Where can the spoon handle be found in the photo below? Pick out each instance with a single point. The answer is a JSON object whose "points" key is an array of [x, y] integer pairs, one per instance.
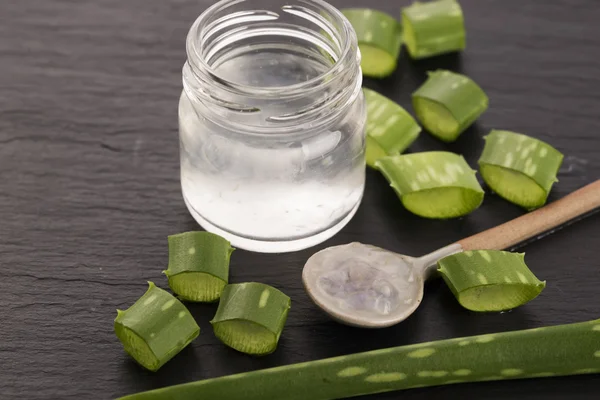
{"points": [[535, 223]]}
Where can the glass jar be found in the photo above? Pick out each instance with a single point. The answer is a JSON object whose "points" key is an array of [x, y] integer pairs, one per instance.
{"points": [[271, 123]]}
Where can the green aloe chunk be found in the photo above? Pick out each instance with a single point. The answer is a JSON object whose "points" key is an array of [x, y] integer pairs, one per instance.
{"points": [[490, 280], [569, 349], [519, 168], [435, 184], [251, 317], [379, 40], [432, 28], [155, 328], [198, 265], [390, 128], [448, 103]]}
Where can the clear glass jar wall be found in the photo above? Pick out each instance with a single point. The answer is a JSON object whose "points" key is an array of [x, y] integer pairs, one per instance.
{"points": [[271, 123]]}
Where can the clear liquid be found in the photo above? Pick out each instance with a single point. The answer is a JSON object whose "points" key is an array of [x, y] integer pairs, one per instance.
{"points": [[270, 196]]}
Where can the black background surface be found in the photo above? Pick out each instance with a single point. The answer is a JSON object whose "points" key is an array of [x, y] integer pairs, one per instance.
{"points": [[89, 191]]}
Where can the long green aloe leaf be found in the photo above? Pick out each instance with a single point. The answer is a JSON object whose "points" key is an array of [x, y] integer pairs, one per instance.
{"points": [[551, 351]]}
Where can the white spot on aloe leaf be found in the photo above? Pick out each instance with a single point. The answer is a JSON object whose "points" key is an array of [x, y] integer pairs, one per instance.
{"points": [[454, 86], [351, 371], [511, 372], [149, 300], [432, 172], [486, 256], [152, 334], [264, 297], [482, 279], [379, 112], [408, 161], [463, 343], [531, 169], [597, 354], [385, 377], [168, 305], [383, 24], [368, 36], [507, 279], [543, 152], [421, 353], [181, 314], [415, 186], [469, 253], [596, 328], [508, 160], [192, 251], [462, 372], [522, 277], [420, 17], [485, 339], [367, 13]]}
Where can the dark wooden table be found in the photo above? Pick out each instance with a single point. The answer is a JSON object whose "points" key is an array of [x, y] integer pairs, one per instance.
{"points": [[89, 191]]}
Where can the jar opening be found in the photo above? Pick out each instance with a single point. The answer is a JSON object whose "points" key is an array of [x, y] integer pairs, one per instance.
{"points": [[271, 52], [273, 66]]}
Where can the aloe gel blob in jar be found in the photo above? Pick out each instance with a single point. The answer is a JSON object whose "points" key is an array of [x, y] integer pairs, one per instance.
{"points": [[271, 123]]}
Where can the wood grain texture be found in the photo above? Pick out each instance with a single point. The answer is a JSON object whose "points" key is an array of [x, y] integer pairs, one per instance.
{"points": [[89, 191]]}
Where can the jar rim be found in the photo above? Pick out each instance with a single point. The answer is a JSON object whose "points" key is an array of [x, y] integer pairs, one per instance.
{"points": [[198, 61]]}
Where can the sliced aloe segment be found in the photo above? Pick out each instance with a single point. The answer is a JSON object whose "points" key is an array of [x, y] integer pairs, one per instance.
{"points": [[490, 280], [390, 128], [251, 317], [155, 328], [432, 28], [198, 265], [561, 350], [434, 184], [519, 168], [448, 103], [379, 39]]}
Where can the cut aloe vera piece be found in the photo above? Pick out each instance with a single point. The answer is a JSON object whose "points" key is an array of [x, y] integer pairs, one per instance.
{"points": [[434, 184], [490, 280], [198, 265], [379, 39], [519, 168], [561, 350], [448, 103], [390, 128], [433, 28], [251, 317], [155, 328]]}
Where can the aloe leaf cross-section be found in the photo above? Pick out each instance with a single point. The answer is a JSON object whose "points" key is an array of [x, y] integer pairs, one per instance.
{"points": [[198, 265], [379, 40], [519, 168], [490, 280], [435, 184], [155, 328], [251, 317]]}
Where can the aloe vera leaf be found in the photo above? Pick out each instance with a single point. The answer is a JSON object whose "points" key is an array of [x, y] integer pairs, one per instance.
{"points": [[560, 350], [379, 40], [155, 328], [198, 265], [448, 103], [519, 168], [433, 184], [390, 128], [251, 317], [432, 28], [490, 280]]}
